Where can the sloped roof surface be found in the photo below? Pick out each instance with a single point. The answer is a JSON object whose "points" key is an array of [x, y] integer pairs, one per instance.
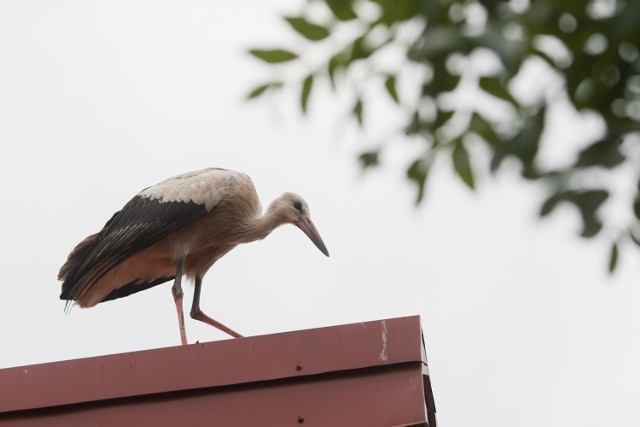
{"points": [[362, 374]]}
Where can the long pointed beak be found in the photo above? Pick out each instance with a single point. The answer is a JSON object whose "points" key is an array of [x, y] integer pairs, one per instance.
{"points": [[310, 230]]}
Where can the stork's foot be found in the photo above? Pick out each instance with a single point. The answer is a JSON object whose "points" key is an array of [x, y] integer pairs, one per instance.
{"points": [[199, 315]]}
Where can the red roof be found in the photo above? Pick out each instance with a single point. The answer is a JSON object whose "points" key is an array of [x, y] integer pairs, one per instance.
{"points": [[362, 374]]}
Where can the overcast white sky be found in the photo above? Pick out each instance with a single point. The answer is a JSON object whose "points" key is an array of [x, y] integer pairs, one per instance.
{"points": [[98, 100]]}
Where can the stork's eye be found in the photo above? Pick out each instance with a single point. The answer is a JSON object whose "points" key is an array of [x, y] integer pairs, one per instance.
{"points": [[298, 206]]}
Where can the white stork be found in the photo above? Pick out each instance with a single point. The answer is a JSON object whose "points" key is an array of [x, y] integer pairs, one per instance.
{"points": [[180, 226]]}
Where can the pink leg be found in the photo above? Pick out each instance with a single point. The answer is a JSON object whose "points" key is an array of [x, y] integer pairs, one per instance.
{"points": [[197, 314], [177, 298]]}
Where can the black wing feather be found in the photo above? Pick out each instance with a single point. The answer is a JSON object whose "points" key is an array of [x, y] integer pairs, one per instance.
{"points": [[141, 223]]}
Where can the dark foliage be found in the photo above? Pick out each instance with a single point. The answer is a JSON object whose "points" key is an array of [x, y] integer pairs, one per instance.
{"points": [[592, 45]]}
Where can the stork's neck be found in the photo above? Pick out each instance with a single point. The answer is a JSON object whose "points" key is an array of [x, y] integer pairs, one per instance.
{"points": [[261, 227]]}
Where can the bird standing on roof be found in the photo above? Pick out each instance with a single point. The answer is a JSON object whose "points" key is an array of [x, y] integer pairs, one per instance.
{"points": [[180, 226]]}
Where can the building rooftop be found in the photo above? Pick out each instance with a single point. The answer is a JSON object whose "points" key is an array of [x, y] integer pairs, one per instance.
{"points": [[362, 374]]}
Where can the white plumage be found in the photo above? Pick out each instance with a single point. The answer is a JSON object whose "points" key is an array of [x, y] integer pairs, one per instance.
{"points": [[204, 187]]}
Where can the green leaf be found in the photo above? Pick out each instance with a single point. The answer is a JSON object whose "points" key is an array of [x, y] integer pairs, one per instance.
{"points": [[483, 128], [342, 9], [369, 158], [307, 29], [335, 63], [511, 52], [273, 56], [524, 145], [549, 205], [587, 201], [259, 90], [636, 206], [604, 153], [585, 93], [390, 84], [494, 86], [442, 117], [359, 50], [306, 91], [357, 111], [414, 125], [443, 80], [462, 165], [418, 172], [613, 257], [395, 11]]}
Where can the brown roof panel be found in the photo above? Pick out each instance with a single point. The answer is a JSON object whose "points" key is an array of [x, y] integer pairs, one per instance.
{"points": [[363, 374]]}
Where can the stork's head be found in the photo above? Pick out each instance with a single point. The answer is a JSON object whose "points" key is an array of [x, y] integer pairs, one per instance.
{"points": [[292, 209]]}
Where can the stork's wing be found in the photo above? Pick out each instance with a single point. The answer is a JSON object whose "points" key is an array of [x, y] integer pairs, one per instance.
{"points": [[141, 223]]}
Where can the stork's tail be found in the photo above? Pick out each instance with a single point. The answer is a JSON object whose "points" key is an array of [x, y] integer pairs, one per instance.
{"points": [[75, 259]]}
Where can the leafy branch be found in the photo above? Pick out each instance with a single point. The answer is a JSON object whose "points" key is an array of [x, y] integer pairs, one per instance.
{"points": [[591, 46]]}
